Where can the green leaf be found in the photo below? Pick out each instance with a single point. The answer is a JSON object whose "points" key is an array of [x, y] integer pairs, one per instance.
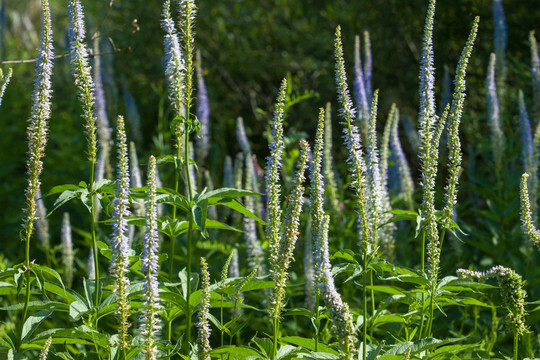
{"points": [[227, 193], [61, 188], [214, 224], [234, 352], [236, 206], [33, 321], [49, 271], [200, 212], [77, 310], [308, 344], [64, 197]]}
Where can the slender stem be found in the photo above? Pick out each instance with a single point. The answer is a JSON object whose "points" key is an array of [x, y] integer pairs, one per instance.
{"points": [[364, 330], [317, 321], [27, 273], [422, 251], [221, 314], [176, 181], [94, 240], [516, 341], [372, 301], [276, 336], [189, 235]]}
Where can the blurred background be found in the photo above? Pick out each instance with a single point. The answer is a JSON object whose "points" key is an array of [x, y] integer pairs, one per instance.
{"points": [[247, 47]]}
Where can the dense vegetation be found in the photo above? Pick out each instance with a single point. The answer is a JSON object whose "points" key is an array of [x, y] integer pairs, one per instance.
{"points": [[381, 217]]}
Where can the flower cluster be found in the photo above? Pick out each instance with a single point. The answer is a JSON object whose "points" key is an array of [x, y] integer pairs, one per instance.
{"points": [[120, 242], [497, 136], [499, 39], [37, 124], [103, 127], [328, 160], [174, 62], [427, 80], [291, 222], [512, 292], [45, 349], [150, 267], [406, 181], [42, 224], [454, 119], [273, 186], [254, 250], [68, 256], [535, 71], [203, 113], [203, 339], [83, 74], [352, 144], [339, 312], [527, 222], [359, 84]]}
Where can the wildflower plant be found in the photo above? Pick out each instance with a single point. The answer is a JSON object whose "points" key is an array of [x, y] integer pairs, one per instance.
{"points": [[203, 338], [4, 81]]}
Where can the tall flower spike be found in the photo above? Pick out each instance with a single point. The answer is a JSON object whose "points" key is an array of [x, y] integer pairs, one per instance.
{"points": [[103, 127], [42, 224], [454, 119], [45, 349], [4, 81], [203, 113], [187, 14], [360, 95], [526, 135], [37, 124], [255, 254], [132, 114], [328, 160], [273, 186], [385, 145], [242, 137], [150, 267], [427, 79], [136, 182], [120, 243], [291, 222], [352, 143], [339, 313], [407, 184], [497, 135], [83, 74], [67, 249], [500, 42], [367, 64], [174, 62], [309, 286], [535, 73], [203, 338], [527, 222]]}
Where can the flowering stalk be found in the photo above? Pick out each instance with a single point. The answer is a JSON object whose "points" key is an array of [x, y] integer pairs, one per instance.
{"points": [[120, 242], [285, 247], [203, 113], [357, 168], [513, 294], [497, 134], [4, 81], [499, 43], [45, 349], [367, 64], [150, 267], [254, 249], [136, 182], [530, 163], [535, 73], [328, 160], [42, 225], [103, 127], [37, 135], [340, 315], [203, 339], [454, 119], [385, 145], [273, 186], [86, 88], [527, 221], [407, 184], [67, 249], [360, 86]]}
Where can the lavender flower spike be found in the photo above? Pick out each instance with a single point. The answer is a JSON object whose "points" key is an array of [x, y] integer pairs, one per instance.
{"points": [[360, 95], [67, 249], [497, 138], [37, 124], [203, 113], [327, 169], [42, 224], [150, 267], [527, 222], [4, 81], [82, 73], [203, 338], [407, 183], [500, 41], [367, 64], [535, 73], [526, 135], [120, 243], [174, 62]]}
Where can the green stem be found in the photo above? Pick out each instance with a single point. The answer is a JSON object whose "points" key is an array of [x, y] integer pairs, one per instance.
{"points": [[317, 321], [276, 337], [422, 255], [176, 181], [27, 273], [516, 343], [93, 234], [372, 301], [364, 330], [221, 314]]}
